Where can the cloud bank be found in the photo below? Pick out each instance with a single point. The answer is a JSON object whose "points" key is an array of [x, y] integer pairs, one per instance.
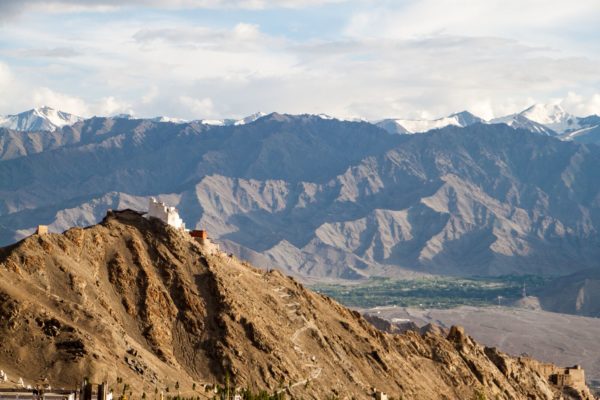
{"points": [[190, 59]]}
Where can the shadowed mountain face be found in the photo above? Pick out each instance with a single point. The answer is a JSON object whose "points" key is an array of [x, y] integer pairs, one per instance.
{"points": [[136, 299], [327, 198], [577, 294]]}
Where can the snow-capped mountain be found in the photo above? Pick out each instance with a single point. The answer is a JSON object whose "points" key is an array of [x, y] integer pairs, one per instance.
{"points": [[549, 120], [39, 119], [229, 121], [553, 120], [405, 126], [545, 119], [213, 122], [552, 116], [519, 121], [250, 118]]}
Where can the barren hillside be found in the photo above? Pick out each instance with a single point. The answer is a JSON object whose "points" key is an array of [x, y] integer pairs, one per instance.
{"points": [[135, 299]]}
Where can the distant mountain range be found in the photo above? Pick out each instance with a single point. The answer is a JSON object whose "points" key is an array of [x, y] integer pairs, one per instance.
{"points": [[550, 120], [322, 197], [49, 119]]}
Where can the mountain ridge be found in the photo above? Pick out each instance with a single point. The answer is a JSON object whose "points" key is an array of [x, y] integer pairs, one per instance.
{"points": [[546, 119], [328, 198]]}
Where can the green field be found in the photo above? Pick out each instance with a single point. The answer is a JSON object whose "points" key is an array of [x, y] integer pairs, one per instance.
{"points": [[433, 292]]}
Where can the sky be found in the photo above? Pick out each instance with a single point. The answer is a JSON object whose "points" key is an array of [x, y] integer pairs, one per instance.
{"points": [[373, 59]]}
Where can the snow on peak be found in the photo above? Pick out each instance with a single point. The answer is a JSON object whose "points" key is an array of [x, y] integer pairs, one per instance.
{"points": [[545, 113], [229, 122], [519, 121], [552, 116], [461, 119], [250, 118], [465, 118], [324, 116], [39, 119]]}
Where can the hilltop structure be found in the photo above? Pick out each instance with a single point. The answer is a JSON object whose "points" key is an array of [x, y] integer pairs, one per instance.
{"points": [[167, 214], [201, 236], [170, 216]]}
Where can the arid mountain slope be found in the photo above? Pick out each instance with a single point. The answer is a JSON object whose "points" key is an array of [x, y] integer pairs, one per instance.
{"points": [[136, 299], [324, 198]]}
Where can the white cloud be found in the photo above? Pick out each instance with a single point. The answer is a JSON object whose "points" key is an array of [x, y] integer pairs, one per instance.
{"points": [[112, 106], [9, 8], [46, 97], [417, 18], [5, 76], [151, 95], [581, 105], [19, 95], [394, 59], [6, 85], [241, 37], [200, 108], [57, 52], [23, 95]]}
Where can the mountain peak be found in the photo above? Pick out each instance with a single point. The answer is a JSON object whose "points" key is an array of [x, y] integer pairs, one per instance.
{"points": [[250, 118], [552, 116], [42, 118], [234, 122], [520, 121], [545, 113], [464, 113], [275, 116], [466, 118], [43, 109], [460, 119]]}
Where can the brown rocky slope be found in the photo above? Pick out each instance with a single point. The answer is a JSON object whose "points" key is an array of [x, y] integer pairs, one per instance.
{"points": [[135, 299]]}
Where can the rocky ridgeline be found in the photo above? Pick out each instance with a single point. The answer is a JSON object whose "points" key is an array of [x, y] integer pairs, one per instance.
{"points": [[134, 300]]}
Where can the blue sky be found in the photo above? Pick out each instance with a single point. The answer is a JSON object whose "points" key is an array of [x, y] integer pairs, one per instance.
{"points": [[357, 58]]}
